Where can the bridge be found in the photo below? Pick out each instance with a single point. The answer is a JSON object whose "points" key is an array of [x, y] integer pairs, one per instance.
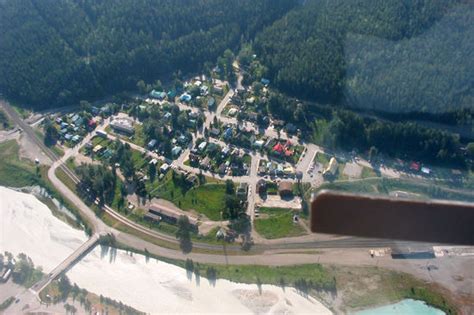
{"points": [[80, 252]]}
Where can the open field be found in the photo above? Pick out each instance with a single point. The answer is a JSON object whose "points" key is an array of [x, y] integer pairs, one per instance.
{"points": [[13, 171], [207, 199], [277, 223], [384, 186]]}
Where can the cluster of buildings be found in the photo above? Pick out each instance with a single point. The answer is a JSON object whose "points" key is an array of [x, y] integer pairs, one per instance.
{"points": [[159, 213], [225, 160], [72, 127], [198, 87], [275, 169]]}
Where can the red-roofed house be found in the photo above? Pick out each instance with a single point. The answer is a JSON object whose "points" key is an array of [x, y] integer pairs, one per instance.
{"points": [[278, 148], [91, 123], [415, 166]]}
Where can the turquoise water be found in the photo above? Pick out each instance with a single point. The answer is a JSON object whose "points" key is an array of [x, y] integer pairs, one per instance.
{"points": [[405, 307]]}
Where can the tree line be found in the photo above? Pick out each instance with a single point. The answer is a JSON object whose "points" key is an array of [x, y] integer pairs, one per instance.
{"points": [[55, 54], [392, 56]]}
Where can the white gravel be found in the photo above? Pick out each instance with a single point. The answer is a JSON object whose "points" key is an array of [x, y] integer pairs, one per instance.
{"points": [[159, 287], [28, 226]]}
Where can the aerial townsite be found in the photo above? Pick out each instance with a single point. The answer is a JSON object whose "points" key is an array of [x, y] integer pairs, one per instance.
{"points": [[164, 156]]}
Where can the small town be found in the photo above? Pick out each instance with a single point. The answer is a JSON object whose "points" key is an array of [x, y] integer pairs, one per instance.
{"points": [[236, 157]]}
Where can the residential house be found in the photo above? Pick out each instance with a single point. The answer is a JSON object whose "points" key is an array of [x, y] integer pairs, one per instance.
{"points": [[215, 132], [259, 144], [332, 167], [176, 150], [265, 82], [261, 186], [202, 146], [164, 168], [285, 189], [158, 94], [228, 133], [151, 145], [123, 125], [242, 191], [206, 163], [185, 98], [211, 103], [252, 116]]}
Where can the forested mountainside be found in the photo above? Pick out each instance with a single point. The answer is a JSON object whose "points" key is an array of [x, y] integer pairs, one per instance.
{"points": [[57, 52], [388, 55]]}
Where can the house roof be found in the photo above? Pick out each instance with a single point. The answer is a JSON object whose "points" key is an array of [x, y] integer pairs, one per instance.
{"points": [[278, 148], [415, 166], [285, 187]]}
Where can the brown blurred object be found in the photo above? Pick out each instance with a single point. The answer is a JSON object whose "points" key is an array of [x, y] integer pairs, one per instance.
{"points": [[393, 218]]}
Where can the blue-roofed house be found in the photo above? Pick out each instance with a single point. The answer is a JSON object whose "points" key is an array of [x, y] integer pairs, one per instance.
{"points": [[76, 138], [151, 145], [171, 95], [79, 121], [107, 153], [185, 97], [176, 150], [75, 118], [192, 122], [265, 81], [68, 136], [182, 139], [228, 133], [64, 125], [211, 103], [158, 94]]}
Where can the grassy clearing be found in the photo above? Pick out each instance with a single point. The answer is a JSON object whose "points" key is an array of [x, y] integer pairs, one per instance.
{"points": [[340, 172], [278, 275], [24, 113], [207, 199], [16, 172], [363, 287], [384, 186], [278, 224], [368, 172], [322, 158]]}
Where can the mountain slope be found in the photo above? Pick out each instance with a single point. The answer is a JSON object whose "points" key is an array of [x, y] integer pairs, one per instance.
{"points": [[57, 52]]}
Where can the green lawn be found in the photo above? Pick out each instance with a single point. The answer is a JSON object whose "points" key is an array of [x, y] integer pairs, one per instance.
{"points": [[340, 172], [280, 275], [207, 199], [385, 185], [16, 172], [278, 224], [368, 172], [13, 171], [322, 158]]}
